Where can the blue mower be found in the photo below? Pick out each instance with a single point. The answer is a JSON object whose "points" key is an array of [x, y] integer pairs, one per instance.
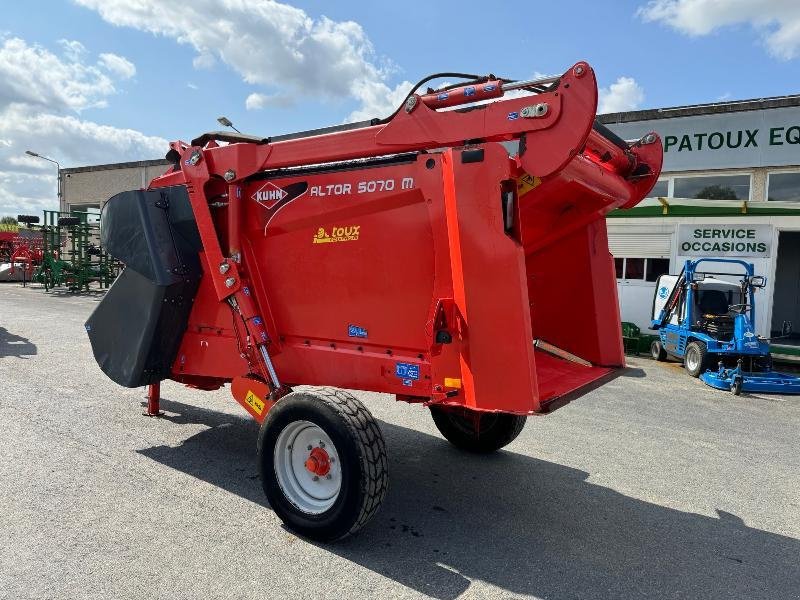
{"points": [[704, 320]]}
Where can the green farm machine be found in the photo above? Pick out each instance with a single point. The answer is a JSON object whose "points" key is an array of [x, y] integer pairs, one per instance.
{"points": [[72, 256]]}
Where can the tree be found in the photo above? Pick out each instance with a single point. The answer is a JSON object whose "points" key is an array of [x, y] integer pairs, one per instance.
{"points": [[716, 192], [8, 221]]}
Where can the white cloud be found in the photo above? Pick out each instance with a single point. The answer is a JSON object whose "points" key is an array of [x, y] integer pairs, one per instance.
{"points": [[777, 20], [258, 101], [40, 96], [378, 99], [27, 193], [269, 44], [622, 95], [33, 75], [29, 184], [73, 49], [118, 65]]}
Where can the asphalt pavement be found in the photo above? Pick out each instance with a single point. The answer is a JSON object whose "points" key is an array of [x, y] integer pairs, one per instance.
{"points": [[652, 486]]}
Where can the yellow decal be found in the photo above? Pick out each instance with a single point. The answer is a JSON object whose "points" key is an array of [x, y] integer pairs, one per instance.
{"points": [[337, 234], [452, 382], [254, 402], [526, 183]]}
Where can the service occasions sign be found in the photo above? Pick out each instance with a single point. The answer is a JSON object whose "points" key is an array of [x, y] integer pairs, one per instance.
{"points": [[724, 240]]}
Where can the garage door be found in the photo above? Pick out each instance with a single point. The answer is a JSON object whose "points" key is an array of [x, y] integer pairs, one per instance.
{"points": [[643, 245]]}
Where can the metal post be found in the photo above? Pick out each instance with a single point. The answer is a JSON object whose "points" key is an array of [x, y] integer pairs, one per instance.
{"points": [[153, 398]]}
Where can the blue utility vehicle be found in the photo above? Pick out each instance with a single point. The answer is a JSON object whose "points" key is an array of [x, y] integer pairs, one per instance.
{"points": [[708, 322]]}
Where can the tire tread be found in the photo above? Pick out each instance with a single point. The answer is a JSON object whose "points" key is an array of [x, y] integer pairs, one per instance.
{"points": [[372, 448]]}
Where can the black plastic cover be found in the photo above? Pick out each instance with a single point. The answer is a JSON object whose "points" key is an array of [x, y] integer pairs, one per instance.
{"points": [[137, 328]]}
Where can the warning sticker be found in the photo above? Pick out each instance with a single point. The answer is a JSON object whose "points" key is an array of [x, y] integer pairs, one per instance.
{"points": [[526, 183], [254, 402]]}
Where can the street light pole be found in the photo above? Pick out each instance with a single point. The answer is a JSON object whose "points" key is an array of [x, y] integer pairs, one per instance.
{"points": [[226, 122], [58, 166]]}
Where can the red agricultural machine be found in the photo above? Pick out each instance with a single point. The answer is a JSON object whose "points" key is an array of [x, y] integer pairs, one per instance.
{"points": [[20, 250], [412, 255]]}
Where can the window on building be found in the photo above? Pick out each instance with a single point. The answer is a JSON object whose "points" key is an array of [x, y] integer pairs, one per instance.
{"points": [[656, 267], [634, 268], [660, 189], [641, 269], [784, 186], [713, 187]]}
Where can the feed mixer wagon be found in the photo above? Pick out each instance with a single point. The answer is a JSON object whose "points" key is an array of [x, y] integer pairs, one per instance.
{"points": [[453, 254]]}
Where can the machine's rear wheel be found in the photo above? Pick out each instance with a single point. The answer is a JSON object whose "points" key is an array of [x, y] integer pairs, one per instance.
{"points": [[657, 351], [696, 358], [323, 463], [474, 431]]}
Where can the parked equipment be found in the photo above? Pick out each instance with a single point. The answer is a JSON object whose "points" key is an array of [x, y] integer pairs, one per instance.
{"points": [[20, 250], [409, 255], [69, 253], [709, 322]]}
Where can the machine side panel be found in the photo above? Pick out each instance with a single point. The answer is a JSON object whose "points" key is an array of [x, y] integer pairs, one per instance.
{"points": [[490, 292]]}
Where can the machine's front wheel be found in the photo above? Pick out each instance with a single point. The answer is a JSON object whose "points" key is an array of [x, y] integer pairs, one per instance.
{"points": [[323, 463], [657, 351], [696, 358], [475, 431]]}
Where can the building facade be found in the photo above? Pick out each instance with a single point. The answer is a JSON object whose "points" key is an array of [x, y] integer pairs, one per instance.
{"points": [[730, 188], [87, 188]]}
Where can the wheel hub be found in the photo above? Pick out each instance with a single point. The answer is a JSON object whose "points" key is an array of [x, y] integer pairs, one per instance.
{"points": [[307, 467], [318, 462]]}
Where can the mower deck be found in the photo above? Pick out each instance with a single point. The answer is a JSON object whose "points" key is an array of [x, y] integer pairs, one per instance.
{"points": [[766, 382]]}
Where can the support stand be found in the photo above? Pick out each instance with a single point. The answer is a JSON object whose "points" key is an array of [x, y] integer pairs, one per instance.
{"points": [[153, 399]]}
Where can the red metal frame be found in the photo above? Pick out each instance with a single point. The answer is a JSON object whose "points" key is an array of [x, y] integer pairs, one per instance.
{"points": [[447, 265]]}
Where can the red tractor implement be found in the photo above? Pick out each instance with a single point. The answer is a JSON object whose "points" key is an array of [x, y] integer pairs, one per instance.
{"points": [[412, 255]]}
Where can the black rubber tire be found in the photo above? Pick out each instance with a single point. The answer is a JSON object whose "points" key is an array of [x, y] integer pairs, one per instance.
{"points": [[27, 219], [362, 455], [657, 351], [68, 221], [703, 358], [494, 431]]}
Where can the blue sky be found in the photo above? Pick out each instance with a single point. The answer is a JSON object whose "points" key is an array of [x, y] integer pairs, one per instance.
{"points": [[147, 71]]}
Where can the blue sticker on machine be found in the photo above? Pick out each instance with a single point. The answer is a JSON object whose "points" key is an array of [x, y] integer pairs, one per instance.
{"points": [[663, 292], [489, 87], [356, 331], [443, 96], [408, 382], [513, 116], [406, 370], [469, 90]]}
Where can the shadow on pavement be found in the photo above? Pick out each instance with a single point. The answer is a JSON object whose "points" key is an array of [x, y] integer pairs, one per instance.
{"points": [[63, 292], [635, 372], [521, 524], [15, 345]]}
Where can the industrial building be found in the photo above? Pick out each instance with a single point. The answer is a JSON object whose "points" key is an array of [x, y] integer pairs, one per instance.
{"points": [[730, 188]]}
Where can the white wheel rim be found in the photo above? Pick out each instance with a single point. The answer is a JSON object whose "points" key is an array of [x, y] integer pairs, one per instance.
{"points": [[692, 360], [311, 492]]}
